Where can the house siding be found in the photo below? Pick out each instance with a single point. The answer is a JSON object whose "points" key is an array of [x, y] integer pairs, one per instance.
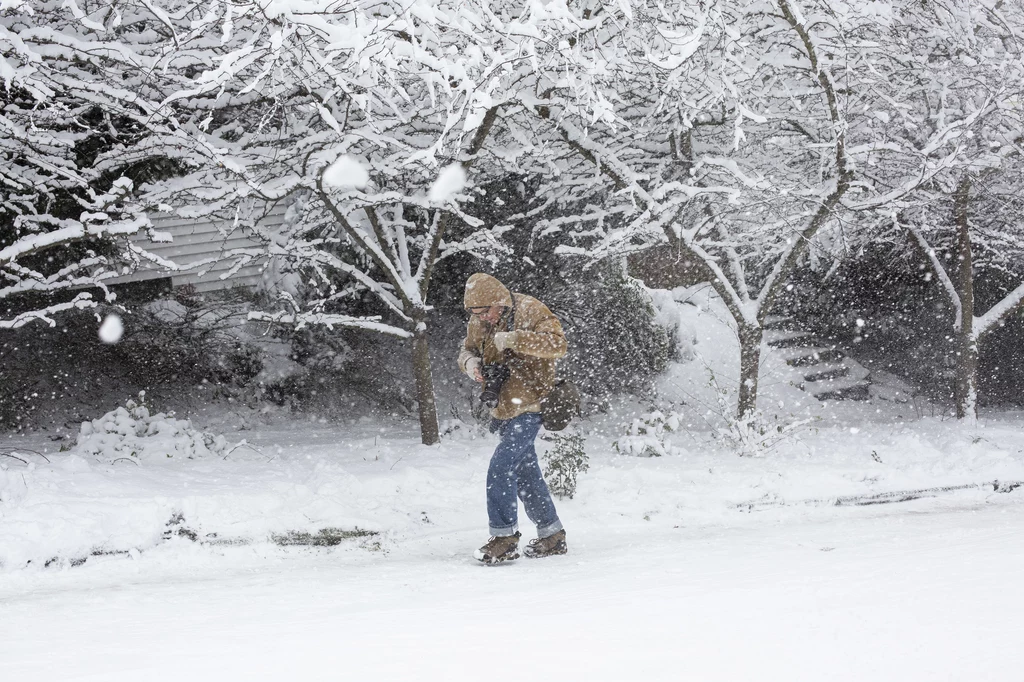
{"points": [[197, 240]]}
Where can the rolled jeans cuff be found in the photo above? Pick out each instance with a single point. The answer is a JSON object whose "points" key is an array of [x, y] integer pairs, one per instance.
{"points": [[505, 532], [549, 530]]}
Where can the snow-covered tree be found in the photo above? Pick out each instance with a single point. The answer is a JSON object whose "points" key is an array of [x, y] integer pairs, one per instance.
{"points": [[73, 91], [735, 132], [365, 117], [968, 59]]}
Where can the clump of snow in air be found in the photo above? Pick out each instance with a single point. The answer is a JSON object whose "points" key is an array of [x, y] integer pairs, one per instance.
{"points": [[346, 173], [450, 181], [112, 329]]}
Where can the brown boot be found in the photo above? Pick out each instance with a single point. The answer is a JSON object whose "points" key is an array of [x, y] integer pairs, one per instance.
{"points": [[549, 546], [498, 549]]}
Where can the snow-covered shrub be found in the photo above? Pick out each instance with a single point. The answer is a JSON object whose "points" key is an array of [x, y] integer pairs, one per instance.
{"points": [[51, 375], [564, 462], [133, 432], [755, 435], [335, 370], [617, 342], [191, 338], [645, 436]]}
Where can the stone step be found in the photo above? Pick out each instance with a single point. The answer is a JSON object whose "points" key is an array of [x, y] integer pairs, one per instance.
{"points": [[833, 372], [824, 370], [789, 339], [847, 367], [783, 322], [813, 356], [858, 390]]}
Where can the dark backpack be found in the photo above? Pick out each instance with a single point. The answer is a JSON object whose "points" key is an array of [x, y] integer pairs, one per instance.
{"points": [[560, 405]]}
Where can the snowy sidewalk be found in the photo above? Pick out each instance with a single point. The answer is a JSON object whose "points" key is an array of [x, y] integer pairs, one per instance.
{"points": [[923, 592]]}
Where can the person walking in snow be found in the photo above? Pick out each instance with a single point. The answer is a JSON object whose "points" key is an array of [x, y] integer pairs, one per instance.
{"points": [[516, 332]]}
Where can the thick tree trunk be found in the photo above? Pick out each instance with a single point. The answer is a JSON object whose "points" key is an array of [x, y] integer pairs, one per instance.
{"points": [[967, 377], [429, 431], [966, 389], [750, 361]]}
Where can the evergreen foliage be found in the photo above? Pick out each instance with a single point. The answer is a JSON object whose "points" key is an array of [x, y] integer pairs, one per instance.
{"points": [[615, 343], [564, 462]]}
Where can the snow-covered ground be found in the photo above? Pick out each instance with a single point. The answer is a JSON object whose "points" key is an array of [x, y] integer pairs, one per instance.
{"points": [[151, 551], [666, 577], [923, 594]]}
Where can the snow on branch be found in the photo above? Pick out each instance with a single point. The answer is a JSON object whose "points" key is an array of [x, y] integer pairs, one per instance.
{"points": [[76, 98], [305, 319], [355, 108], [47, 313], [992, 317], [940, 272]]}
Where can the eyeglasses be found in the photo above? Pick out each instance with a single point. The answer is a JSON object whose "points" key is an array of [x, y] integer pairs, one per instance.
{"points": [[479, 310]]}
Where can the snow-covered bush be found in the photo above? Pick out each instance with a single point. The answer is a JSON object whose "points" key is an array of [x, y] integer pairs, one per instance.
{"points": [[133, 432], [337, 371], [645, 436], [564, 462], [51, 375], [191, 338], [755, 435], [618, 342]]}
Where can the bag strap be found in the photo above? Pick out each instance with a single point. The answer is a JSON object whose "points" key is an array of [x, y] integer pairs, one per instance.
{"points": [[510, 325]]}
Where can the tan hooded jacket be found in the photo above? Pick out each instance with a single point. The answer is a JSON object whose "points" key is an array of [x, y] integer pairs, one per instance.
{"points": [[538, 342]]}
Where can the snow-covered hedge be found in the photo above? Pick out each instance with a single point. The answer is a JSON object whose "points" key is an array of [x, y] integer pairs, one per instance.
{"points": [[132, 432]]}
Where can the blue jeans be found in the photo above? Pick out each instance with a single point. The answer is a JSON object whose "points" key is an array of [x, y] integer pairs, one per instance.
{"points": [[515, 473]]}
